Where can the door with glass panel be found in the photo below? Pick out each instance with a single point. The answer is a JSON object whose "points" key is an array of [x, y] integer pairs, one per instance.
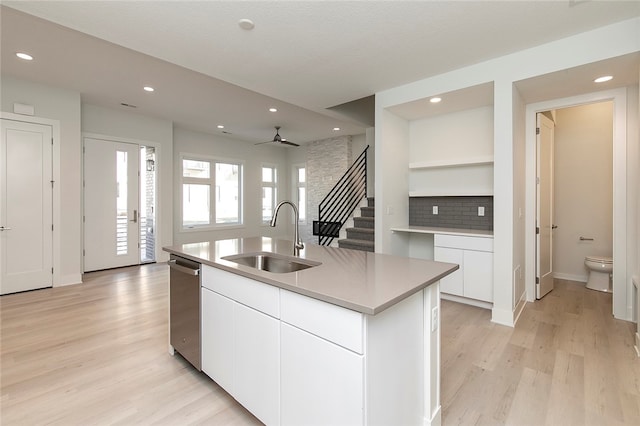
{"points": [[111, 204]]}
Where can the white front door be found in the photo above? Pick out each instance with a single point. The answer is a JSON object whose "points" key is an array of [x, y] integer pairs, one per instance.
{"points": [[26, 206], [111, 211], [544, 237]]}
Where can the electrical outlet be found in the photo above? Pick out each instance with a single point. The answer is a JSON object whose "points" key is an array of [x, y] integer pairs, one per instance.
{"points": [[480, 211], [434, 318], [435, 209]]}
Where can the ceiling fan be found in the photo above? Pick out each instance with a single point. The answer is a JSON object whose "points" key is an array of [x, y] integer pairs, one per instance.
{"points": [[278, 139]]}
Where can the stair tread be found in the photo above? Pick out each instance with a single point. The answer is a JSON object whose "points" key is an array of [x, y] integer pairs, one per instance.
{"points": [[356, 242], [363, 230]]}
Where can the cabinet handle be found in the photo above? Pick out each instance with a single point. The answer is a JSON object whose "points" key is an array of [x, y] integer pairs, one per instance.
{"points": [[135, 216], [2, 228]]}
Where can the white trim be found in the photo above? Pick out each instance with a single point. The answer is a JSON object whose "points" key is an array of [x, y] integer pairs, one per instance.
{"points": [[55, 134], [466, 301], [212, 226], [503, 317], [486, 159], [621, 305], [436, 419], [571, 277]]}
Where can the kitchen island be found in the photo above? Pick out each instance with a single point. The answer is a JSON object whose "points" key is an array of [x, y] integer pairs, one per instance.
{"points": [[352, 339]]}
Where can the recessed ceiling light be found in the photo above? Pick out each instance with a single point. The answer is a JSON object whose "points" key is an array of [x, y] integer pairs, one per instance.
{"points": [[220, 126], [24, 56], [603, 79], [435, 100], [273, 109], [246, 24], [148, 88], [335, 129]]}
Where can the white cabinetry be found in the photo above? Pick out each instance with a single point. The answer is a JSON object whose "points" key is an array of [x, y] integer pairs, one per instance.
{"points": [[241, 349], [474, 279], [322, 383], [295, 360]]}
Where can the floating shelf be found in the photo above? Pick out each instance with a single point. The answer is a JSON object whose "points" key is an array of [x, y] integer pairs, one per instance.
{"points": [[473, 161]]}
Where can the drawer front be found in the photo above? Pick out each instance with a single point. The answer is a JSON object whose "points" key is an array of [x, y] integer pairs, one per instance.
{"points": [[339, 325], [259, 296], [463, 242]]}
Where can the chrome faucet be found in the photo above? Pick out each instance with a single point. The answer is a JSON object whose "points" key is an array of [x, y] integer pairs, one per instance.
{"points": [[297, 243]]}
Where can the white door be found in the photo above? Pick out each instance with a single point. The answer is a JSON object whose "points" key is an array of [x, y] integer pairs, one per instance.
{"points": [[544, 237], [111, 228], [26, 206]]}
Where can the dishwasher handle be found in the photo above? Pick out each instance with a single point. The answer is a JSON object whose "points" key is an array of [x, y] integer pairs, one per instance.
{"points": [[189, 271]]}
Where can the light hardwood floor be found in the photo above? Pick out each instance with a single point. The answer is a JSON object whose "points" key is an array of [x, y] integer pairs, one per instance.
{"points": [[97, 354]]}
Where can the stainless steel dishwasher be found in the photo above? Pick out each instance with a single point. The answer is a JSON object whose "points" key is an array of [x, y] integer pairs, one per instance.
{"points": [[184, 308]]}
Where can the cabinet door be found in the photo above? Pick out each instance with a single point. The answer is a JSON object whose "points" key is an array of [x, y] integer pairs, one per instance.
{"points": [[322, 383], [257, 363], [478, 275], [217, 338], [454, 282]]}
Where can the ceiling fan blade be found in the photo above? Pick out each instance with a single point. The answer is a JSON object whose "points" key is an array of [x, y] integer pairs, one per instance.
{"points": [[260, 143], [289, 143]]}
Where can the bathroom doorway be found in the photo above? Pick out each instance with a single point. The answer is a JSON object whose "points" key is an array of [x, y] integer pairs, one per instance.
{"points": [[582, 188], [573, 222]]}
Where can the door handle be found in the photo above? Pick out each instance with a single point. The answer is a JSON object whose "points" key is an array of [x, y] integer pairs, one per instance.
{"points": [[2, 228], [554, 226], [135, 216]]}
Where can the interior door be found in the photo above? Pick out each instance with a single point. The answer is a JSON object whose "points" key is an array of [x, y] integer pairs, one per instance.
{"points": [[111, 211], [544, 231], [26, 206]]}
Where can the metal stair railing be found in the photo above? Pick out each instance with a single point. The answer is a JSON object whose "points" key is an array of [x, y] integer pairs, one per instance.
{"points": [[341, 201]]}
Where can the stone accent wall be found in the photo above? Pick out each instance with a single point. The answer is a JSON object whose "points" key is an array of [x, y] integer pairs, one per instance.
{"points": [[453, 212], [327, 160]]}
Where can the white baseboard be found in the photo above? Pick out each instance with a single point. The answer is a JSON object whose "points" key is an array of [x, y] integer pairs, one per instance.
{"points": [[503, 317], [68, 280], [436, 419], [571, 277], [466, 300]]}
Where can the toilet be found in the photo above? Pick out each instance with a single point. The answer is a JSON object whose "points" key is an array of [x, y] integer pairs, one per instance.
{"points": [[600, 269]]}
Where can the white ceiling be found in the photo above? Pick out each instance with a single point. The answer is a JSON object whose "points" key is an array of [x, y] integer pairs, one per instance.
{"points": [[302, 57]]}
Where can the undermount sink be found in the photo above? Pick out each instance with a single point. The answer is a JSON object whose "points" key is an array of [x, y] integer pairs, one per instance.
{"points": [[271, 262]]}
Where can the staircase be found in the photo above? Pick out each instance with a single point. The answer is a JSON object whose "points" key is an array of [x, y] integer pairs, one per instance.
{"points": [[361, 236]]}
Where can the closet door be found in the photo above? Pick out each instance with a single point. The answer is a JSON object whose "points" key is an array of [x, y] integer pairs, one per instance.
{"points": [[26, 206]]}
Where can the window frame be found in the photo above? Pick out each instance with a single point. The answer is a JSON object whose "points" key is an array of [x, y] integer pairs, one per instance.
{"points": [[296, 187], [211, 181], [273, 185]]}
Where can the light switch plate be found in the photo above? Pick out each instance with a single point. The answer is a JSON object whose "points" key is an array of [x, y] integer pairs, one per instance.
{"points": [[480, 211], [435, 209]]}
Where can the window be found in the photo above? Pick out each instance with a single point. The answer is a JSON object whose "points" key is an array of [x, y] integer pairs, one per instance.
{"points": [[300, 177], [269, 192], [201, 208]]}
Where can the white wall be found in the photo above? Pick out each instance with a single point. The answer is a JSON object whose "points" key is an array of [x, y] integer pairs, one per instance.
{"points": [[253, 157], [125, 126], [583, 198], [64, 106], [518, 213], [606, 42], [449, 137]]}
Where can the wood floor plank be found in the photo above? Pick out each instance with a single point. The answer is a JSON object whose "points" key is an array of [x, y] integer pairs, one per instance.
{"points": [[96, 354]]}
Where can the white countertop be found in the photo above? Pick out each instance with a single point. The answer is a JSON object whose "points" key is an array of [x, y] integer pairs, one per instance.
{"points": [[361, 281], [448, 231]]}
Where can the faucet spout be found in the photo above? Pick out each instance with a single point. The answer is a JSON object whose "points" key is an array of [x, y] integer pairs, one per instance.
{"points": [[297, 242]]}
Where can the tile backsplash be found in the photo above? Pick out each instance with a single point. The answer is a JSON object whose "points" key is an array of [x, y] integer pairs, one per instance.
{"points": [[453, 212]]}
